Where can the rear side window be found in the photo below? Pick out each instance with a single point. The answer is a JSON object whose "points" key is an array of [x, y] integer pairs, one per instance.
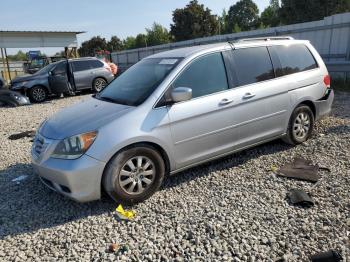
{"points": [[95, 64], [252, 65], [294, 59], [81, 65], [205, 75]]}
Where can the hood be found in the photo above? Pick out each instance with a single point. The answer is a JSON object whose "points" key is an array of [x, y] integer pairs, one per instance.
{"points": [[28, 77], [23, 78], [85, 116]]}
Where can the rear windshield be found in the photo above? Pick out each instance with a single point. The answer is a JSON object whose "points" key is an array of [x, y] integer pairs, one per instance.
{"points": [[135, 85]]}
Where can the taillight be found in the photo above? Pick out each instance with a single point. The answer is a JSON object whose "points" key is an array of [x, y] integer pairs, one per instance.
{"points": [[327, 80]]}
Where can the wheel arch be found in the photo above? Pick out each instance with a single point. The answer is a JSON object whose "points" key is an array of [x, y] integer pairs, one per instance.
{"points": [[310, 104], [48, 90], [159, 149]]}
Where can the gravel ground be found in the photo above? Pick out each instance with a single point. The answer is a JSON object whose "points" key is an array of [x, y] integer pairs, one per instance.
{"points": [[232, 209]]}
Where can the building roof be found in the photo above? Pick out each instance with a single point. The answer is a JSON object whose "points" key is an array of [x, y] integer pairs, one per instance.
{"points": [[37, 39], [33, 31]]}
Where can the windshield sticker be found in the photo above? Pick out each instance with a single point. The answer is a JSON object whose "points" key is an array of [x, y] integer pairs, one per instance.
{"points": [[168, 62]]}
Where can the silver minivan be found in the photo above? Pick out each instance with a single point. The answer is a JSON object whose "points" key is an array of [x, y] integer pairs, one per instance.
{"points": [[177, 109]]}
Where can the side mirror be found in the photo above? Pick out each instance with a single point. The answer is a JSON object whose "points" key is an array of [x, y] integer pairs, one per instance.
{"points": [[181, 94]]}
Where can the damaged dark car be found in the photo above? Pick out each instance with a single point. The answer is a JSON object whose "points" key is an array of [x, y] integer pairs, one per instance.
{"points": [[64, 77]]}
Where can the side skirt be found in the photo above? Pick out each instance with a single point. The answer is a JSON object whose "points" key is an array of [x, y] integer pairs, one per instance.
{"points": [[226, 154]]}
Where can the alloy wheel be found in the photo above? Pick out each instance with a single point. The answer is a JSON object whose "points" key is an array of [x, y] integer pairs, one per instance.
{"points": [[301, 125], [100, 84], [137, 175], [39, 94]]}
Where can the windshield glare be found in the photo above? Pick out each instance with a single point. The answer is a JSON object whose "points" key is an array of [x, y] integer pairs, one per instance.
{"points": [[135, 85]]}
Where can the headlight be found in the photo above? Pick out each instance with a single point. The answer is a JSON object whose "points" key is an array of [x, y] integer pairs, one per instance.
{"points": [[75, 146], [41, 125]]}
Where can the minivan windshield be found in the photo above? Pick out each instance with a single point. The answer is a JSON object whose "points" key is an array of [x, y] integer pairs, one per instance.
{"points": [[137, 83]]}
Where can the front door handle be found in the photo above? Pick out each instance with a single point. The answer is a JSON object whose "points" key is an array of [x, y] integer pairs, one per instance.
{"points": [[248, 96], [225, 101]]}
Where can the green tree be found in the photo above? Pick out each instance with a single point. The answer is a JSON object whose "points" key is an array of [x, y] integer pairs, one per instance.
{"points": [[129, 42], [223, 22], [96, 43], [294, 11], [245, 13], [157, 35], [270, 16], [115, 44], [141, 41], [193, 21], [236, 28], [20, 56]]}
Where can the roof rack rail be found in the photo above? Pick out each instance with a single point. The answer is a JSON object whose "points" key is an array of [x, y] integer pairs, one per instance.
{"points": [[266, 38]]}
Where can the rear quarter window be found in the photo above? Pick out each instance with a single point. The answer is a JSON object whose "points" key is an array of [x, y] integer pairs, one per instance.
{"points": [[81, 65], [294, 58], [96, 64]]}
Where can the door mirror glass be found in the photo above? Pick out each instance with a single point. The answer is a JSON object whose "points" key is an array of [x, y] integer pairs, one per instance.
{"points": [[181, 94]]}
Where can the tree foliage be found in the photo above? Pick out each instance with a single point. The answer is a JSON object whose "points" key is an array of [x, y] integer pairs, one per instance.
{"points": [[115, 44], [270, 16], [96, 43], [157, 35], [141, 41], [129, 43], [20, 56], [193, 21], [245, 13], [295, 11], [223, 22]]}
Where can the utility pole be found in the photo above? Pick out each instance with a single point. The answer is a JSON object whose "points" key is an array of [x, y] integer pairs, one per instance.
{"points": [[8, 65]]}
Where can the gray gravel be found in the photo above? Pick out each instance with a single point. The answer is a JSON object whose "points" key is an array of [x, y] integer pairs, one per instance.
{"points": [[233, 209]]}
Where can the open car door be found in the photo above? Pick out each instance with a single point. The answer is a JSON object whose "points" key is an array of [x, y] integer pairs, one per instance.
{"points": [[58, 79]]}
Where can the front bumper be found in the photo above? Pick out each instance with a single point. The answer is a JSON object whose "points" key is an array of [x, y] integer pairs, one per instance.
{"points": [[78, 179], [324, 105]]}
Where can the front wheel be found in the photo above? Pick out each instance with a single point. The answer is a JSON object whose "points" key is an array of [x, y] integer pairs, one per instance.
{"points": [[134, 174], [300, 125], [37, 94], [99, 84]]}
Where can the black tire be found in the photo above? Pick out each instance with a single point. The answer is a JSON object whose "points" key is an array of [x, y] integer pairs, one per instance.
{"points": [[37, 94], [98, 84], [112, 177], [291, 136]]}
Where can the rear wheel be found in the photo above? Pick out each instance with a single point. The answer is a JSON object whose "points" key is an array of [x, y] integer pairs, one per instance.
{"points": [[300, 126], [134, 174], [37, 94], [98, 84]]}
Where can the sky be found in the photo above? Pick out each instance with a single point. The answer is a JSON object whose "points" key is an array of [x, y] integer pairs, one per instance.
{"points": [[96, 17]]}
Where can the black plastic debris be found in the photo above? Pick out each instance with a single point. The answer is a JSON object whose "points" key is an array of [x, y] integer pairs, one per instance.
{"points": [[300, 169], [328, 256], [24, 134], [300, 198]]}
